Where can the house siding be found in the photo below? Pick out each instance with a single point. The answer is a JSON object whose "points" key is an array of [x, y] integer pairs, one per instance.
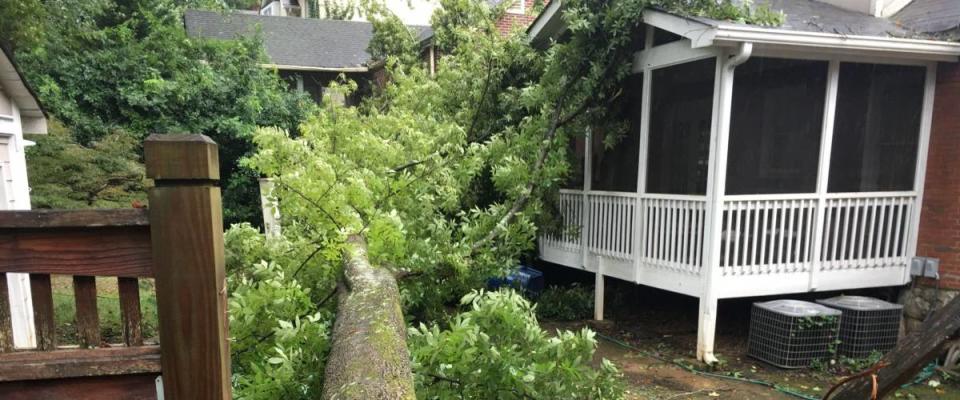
{"points": [[939, 234]]}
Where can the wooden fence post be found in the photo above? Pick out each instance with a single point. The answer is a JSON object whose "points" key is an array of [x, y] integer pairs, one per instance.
{"points": [[186, 227]]}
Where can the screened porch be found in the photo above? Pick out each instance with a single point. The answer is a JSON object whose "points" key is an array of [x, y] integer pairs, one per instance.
{"points": [[752, 169]]}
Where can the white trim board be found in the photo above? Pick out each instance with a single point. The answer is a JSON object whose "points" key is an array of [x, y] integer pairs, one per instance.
{"points": [[727, 34]]}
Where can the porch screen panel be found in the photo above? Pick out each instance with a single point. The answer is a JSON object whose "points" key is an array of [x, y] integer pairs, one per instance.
{"points": [[776, 125], [616, 154], [681, 108], [877, 128]]}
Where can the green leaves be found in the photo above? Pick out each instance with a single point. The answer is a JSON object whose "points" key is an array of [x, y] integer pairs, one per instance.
{"points": [[497, 349]]}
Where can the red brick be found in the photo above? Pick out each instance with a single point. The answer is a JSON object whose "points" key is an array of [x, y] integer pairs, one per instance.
{"points": [[940, 216]]}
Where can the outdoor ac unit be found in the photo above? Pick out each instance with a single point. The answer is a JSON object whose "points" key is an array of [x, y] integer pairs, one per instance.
{"points": [[792, 333], [868, 324]]}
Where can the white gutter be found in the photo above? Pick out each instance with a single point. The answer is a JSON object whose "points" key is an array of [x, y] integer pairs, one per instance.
{"points": [[546, 16], [743, 54], [938, 50], [318, 69], [713, 33]]}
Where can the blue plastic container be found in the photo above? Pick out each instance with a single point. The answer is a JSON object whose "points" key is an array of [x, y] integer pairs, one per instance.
{"points": [[524, 278]]}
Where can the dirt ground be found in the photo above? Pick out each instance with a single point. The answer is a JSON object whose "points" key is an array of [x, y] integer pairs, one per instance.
{"points": [[651, 336]]}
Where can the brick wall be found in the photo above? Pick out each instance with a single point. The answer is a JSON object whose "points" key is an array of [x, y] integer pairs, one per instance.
{"points": [[940, 219], [510, 20]]}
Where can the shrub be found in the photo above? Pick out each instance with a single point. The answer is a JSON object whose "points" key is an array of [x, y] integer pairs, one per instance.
{"points": [[565, 303], [496, 349]]}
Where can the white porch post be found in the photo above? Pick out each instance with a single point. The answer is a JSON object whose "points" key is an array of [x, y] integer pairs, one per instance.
{"points": [[926, 123], [585, 217], [598, 292], [710, 273], [640, 214], [823, 170]]}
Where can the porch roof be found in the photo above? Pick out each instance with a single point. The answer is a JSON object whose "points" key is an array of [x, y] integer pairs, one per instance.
{"points": [[809, 24]]}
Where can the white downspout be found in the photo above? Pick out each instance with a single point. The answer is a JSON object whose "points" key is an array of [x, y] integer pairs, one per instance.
{"points": [[707, 327]]}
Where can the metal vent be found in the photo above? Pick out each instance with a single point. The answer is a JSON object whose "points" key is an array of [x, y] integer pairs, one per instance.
{"points": [[792, 333], [868, 324]]}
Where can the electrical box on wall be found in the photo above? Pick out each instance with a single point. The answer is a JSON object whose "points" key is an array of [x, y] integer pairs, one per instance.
{"points": [[927, 267]]}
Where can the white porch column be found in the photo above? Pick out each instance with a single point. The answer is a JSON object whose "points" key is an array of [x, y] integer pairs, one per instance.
{"points": [[598, 291], [823, 170], [926, 123], [639, 214], [585, 218], [710, 274]]}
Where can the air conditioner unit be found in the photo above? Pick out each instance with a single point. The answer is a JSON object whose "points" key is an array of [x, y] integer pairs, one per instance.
{"points": [[868, 324], [792, 333]]}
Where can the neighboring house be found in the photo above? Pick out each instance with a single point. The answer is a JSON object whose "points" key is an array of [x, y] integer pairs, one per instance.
{"points": [[411, 12], [773, 160], [308, 53], [519, 15], [20, 113]]}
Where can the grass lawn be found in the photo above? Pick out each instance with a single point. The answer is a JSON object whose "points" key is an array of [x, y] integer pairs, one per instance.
{"points": [[108, 306]]}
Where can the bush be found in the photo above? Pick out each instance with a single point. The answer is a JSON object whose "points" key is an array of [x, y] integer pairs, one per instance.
{"points": [[279, 330], [496, 349], [568, 303]]}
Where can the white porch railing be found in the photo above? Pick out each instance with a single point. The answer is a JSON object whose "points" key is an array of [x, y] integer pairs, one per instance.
{"points": [[760, 234], [672, 231], [570, 213], [610, 230], [863, 230]]}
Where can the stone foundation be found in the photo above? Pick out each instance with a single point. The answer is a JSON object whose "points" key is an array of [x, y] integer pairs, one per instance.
{"points": [[918, 302]]}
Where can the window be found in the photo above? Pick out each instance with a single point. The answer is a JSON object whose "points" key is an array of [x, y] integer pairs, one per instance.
{"points": [[877, 128], [776, 125], [681, 110]]}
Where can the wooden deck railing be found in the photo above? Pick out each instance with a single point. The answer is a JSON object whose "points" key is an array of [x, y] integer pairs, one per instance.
{"points": [[178, 243]]}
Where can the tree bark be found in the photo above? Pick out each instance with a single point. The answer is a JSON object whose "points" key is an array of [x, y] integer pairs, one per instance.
{"points": [[910, 356], [369, 357]]}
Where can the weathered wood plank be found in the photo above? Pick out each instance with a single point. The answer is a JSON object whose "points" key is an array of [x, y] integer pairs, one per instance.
{"points": [[86, 318], [6, 326], [43, 319], [126, 387], [72, 363], [369, 357], [123, 251], [129, 289], [73, 218], [910, 355], [186, 226]]}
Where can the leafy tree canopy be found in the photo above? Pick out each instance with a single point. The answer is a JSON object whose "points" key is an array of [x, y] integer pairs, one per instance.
{"points": [[65, 174], [447, 176], [106, 66]]}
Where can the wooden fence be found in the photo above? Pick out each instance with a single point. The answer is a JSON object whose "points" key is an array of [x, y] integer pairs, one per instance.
{"points": [[178, 242]]}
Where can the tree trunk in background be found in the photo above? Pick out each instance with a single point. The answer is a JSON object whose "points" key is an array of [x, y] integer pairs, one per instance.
{"points": [[369, 357]]}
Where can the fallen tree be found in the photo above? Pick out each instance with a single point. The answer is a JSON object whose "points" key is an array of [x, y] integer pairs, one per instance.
{"points": [[369, 357], [909, 357]]}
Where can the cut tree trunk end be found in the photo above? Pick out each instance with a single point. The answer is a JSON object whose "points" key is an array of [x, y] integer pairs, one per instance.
{"points": [[910, 356], [368, 357]]}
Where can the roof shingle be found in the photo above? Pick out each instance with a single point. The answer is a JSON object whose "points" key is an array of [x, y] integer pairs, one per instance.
{"points": [[293, 41]]}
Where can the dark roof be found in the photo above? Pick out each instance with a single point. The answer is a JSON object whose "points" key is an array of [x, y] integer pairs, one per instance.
{"points": [[930, 16], [814, 16], [294, 41]]}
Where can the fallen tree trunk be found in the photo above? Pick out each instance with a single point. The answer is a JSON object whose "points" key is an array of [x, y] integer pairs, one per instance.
{"points": [[369, 357], [910, 356]]}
